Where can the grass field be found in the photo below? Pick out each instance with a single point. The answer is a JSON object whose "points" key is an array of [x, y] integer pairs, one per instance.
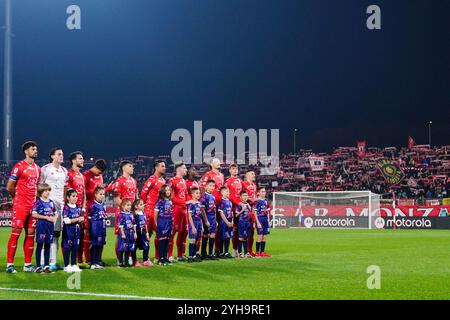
{"points": [[306, 264]]}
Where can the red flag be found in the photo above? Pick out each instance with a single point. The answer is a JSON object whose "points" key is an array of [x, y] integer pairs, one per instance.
{"points": [[361, 145], [411, 142]]}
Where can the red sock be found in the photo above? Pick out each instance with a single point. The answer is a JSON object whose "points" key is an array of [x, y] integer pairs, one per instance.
{"points": [[28, 247], [235, 241], [171, 245], [179, 244], [12, 244], [86, 248], [251, 240], [156, 248], [216, 244], [199, 243]]}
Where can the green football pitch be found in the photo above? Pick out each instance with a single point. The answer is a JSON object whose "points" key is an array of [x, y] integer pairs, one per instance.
{"points": [[305, 264]]}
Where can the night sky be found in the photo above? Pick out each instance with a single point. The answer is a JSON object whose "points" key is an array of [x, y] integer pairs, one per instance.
{"points": [[139, 69]]}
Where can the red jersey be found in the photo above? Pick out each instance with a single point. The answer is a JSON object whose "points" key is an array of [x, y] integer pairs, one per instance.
{"points": [[76, 181], [235, 186], [26, 177], [151, 188], [125, 188], [191, 184], [218, 179], [92, 181], [250, 187], [179, 191]]}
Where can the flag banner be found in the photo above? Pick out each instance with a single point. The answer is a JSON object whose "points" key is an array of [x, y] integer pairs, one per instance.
{"points": [[317, 163], [360, 211], [390, 171], [412, 183], [361, 146], [411, 143]]}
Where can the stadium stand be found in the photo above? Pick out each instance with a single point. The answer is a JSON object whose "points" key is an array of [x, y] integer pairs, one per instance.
{"points": [[425, 170]]}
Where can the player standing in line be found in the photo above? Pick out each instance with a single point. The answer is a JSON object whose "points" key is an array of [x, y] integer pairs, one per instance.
{"points": [[55, 175], [164, 222], [191, 182], [195, 213], [234, 185], [125, 187], [97, 226], [261, 210], [143, 237], [22, 186], [149, 195], [207, 201], [127, 233], [180, 219], [72, 218], [249, 185], [76, 182], [243, 211], [217, 176], [226, 223], [93, 179], [44, 210]]}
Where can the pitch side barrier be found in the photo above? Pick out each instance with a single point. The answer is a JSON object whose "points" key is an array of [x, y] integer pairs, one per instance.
{"points": [[350, 210]]}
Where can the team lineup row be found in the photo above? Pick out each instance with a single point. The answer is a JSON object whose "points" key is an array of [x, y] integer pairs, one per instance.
{"points": [[51, 203]]}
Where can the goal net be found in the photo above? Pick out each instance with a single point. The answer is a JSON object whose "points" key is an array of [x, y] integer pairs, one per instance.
{"points": [[326, 209]]}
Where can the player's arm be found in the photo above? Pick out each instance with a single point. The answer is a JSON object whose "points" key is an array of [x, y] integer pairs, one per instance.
{"points": [[258, 224], [55, 214], [35, 212], [67, 220], [43, 175], [83, 202], [117, 200], [36, 215], [66, 186], [191, 221], [121, 227], [205, 219], [90, 212], [146, 189], [177, 201], [16, 172], [156, 215], [11, 187], [222, 215], [255, 214], [117, 192], [238, 213], [122, 232]]}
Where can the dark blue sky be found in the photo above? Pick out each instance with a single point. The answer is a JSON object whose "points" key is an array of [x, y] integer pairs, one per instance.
{"points": [[139, 69]]}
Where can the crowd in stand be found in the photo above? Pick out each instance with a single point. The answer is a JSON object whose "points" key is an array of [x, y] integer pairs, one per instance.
{"points": [[426, 172]]}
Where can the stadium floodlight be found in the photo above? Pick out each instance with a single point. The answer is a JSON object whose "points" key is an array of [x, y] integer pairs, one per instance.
{"points": [[7, 86], [326, 209], [429, 132]]}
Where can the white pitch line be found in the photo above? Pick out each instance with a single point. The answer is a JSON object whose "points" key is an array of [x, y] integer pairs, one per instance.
{"points": [[107, 295]]}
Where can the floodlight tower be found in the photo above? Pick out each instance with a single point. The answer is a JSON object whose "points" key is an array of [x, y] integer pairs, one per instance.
{"points": [[7, 87]]}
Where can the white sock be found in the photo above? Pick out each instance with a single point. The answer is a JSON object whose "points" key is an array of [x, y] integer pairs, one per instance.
{"points": [[54, 250]]}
